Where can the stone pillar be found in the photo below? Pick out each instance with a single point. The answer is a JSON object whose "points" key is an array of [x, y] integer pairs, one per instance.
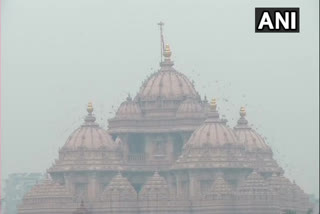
{"points": [[194, 186], [169, 148], [92, 186], [171, 185], [69, 184], [178, 182]]}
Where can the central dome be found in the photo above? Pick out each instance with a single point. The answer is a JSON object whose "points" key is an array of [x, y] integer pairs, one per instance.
{"points": [[167, 83]]}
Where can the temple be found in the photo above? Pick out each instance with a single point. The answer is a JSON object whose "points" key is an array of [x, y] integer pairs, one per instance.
{"points": [[166, 151]]}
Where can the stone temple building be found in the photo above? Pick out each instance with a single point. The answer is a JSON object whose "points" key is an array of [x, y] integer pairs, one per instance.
{"points": [[165, 151]]}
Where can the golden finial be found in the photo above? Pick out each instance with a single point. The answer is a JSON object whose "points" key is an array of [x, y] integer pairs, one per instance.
{"points": [[243, 111], [167, 51], [90, 108], [213, 104]]}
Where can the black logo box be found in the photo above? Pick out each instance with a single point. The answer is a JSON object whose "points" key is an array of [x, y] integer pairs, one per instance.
{"points": [[260, 10]]}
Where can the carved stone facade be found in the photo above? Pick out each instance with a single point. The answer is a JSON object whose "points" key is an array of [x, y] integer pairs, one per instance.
{"points": [[165, 151]]}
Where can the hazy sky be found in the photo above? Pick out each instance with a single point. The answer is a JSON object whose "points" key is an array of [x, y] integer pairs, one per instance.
{"points": [[58, 55]]}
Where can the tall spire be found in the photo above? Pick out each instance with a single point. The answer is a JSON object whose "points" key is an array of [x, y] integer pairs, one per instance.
{"points": [[165, 64]]}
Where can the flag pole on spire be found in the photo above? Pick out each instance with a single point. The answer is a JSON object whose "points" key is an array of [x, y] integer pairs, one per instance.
{"points": [[161, 39]]}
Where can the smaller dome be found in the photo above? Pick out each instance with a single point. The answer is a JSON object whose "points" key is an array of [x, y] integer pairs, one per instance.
{"points": [[250, 138], [88, 148], [89, 136], [213, 145], [128, 109], [213, 133], [156, 188], [119, 189], [190, 108]]}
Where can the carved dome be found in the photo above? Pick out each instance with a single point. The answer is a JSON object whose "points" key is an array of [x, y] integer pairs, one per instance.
{"points": [[213, 145], [89, 148], [128, 109], [119, 189], [251, 139], [155, 188], [167, 83], [89, 135], [258, 152], [213, 133], [190, 108]]}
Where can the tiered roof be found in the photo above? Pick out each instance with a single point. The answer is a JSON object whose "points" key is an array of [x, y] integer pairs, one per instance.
{"points": [[45, 192], [156, 188], [119, 189], [220, 189], [254, 185]]}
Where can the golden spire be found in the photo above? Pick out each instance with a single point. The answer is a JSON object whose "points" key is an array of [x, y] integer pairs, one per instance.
{"points": [[90, 108], [213, 104], [167, 52], [243, 112]]}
